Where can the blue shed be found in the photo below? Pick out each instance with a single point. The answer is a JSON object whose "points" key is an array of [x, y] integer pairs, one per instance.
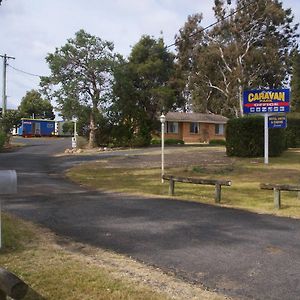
{"points": [[36, 127]]}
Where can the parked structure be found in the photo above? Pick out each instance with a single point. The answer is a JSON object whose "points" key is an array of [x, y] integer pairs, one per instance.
{"points": [[36, 127], [195, 127]]}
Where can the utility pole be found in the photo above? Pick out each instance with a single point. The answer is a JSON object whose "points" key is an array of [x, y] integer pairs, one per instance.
{"points": [[4, 97]]}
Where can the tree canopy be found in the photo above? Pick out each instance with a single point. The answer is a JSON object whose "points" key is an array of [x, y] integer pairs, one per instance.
{"points": [[32, 104], [145, 85], [251, 49], [80, 77]]}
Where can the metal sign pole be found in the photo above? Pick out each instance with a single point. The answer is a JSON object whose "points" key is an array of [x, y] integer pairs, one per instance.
{"points": [[266, 139]]}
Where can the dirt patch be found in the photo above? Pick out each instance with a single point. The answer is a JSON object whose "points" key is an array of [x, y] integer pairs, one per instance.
{"points": [[174, 157]]}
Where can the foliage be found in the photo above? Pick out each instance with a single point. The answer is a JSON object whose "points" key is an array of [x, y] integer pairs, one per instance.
{"points": [[293, 132], [167, 142], [80, 79], [217, 142], [68, 127], [11, 119], [295, 83], [245, 138], [144, 86], [250, 49], [2, 139], [32, 104]]}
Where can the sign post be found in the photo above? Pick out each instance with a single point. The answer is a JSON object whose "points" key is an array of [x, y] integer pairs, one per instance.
{"points": [[266, 133], [267, 102]]}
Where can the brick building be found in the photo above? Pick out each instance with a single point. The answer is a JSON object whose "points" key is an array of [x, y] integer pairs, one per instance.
{"points": [[195, 127]]}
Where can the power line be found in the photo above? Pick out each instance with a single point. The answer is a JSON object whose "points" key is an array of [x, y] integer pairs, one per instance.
{"points": [[24, 72], [217, 22]]}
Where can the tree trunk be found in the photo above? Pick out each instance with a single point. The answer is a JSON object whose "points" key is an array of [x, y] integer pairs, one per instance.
{"points": [[92, 135]]}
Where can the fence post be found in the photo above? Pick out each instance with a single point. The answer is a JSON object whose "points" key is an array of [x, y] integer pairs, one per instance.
{"points": [[277, 198], [171, 186], [218, 193]]}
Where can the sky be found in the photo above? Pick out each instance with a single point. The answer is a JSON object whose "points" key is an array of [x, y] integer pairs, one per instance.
{"points": [[30, 29]]}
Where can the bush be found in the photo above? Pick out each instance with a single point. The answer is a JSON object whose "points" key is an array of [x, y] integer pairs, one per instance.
{"points": [[217, 142], [293, 132], [167, 142], [245, 138], [2, 140]]}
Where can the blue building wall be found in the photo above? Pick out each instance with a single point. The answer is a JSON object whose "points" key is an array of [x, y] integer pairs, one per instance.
{"points": [[36, 127]]}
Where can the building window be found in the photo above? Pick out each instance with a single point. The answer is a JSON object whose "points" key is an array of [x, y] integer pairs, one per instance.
{"points": [[172, 127], [219, 129], [194, 127]]}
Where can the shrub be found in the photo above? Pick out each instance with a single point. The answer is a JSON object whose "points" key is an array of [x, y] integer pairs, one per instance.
{"points": [[167, 142], [293, 132], [217, 142], [245, 138], [2, 139]]}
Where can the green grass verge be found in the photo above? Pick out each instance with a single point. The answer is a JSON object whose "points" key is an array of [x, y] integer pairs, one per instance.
{"points": [[246, 175], [58, 274]]}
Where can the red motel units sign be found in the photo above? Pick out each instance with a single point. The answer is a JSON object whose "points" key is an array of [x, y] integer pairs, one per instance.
{"points": [[266, 101]]}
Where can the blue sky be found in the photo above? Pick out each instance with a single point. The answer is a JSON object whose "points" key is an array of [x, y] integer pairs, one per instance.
{"points": [[32, 28]]}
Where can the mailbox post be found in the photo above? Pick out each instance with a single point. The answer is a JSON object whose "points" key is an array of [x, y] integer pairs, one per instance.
{"points": [[8, 185]]}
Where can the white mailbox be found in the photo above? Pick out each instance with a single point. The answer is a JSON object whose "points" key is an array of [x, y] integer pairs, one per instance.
{"points": [[8, 182]]}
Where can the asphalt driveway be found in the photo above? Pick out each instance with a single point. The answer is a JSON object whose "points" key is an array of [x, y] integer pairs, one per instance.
{"points": [[240, 254]]}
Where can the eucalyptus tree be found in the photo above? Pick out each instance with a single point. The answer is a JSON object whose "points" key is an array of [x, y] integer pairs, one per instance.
{"points": [[250, 49], [81, 78]]}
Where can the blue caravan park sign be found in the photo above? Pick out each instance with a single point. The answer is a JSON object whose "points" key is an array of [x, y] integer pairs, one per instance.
{"points": [[266, 101]]}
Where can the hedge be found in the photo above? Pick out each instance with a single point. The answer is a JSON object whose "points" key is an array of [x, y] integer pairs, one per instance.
{"points": [[245, 138], [2, 139], [167, 142], [293, 132]]}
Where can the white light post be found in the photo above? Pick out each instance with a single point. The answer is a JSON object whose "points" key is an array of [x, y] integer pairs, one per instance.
{"points": [[162, 120], [74, 139]]}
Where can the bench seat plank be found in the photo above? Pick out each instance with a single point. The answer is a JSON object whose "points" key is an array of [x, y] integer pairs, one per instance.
{"points": [[281, 187]]}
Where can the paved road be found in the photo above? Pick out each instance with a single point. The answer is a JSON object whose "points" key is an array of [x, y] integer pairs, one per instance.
{"points": [[240, 254]]}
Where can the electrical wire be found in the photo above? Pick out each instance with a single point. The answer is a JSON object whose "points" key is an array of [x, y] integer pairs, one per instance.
{"points": [[215, 23], [24, 72]]}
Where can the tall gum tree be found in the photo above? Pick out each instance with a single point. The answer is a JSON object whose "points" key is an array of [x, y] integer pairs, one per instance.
{"points": [[81, 77], [251, 49]]}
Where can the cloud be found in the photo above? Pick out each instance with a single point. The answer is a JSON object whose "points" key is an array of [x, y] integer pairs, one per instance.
{"points": [[30, 29]]}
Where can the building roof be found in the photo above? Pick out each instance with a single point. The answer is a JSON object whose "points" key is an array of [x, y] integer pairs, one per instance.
{"points": [[195, 117]]}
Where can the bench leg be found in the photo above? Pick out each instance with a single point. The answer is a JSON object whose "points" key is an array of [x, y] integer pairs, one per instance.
{"points": [[218, 193], [171, 187], [277, 198]]}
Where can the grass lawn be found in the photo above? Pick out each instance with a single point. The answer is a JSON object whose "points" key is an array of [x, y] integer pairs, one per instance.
{"points": [[58, 274], [246, 175]]}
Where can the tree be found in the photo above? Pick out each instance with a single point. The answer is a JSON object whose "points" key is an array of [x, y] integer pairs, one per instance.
{"points": [[295, 83], [32, 104], [11, 119], [144, 86], [81, 78], [251, 49]]}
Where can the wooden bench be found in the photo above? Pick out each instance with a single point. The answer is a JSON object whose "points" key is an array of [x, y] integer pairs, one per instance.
{"points": [[277, 188], [217, 183], [11, 285]]}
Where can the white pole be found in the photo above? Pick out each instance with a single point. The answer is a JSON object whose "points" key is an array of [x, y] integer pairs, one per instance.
{"points": [[162, 151], [266, 139]]}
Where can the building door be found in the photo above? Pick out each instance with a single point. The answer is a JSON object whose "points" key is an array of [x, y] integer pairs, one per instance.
{"points": [[36, 128]]}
